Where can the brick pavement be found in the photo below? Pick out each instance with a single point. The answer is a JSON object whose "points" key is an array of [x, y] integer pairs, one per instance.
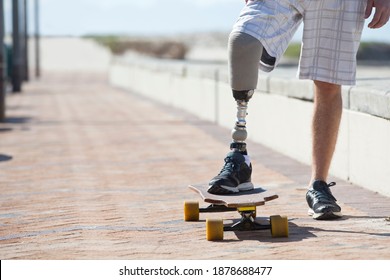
{"points": [[88, 171]]}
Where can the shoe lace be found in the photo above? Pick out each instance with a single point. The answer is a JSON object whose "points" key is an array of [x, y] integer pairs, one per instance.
{"points": [[325, 195], [229, 166]]}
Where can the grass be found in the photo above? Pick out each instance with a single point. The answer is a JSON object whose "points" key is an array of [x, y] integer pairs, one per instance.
{"points": [[368, 51], [293, 50], [156, 48]]}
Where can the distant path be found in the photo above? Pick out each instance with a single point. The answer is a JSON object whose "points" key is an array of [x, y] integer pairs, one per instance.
{"points": [[71, 54]]}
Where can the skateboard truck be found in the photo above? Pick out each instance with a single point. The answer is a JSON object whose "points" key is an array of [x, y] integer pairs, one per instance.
{"points": [[247, 221]]}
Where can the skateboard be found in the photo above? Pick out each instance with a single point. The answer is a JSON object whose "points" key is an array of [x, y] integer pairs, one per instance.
{"points": [[244, 203]]}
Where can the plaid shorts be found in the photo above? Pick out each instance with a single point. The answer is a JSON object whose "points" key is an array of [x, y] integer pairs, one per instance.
{"points": [[331, 34]]}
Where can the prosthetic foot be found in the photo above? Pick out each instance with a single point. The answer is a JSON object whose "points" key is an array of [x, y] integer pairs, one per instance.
{"points": [[235, 175]]}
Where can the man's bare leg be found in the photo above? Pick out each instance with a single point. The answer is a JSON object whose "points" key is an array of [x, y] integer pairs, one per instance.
{"points": [[325, 127]]}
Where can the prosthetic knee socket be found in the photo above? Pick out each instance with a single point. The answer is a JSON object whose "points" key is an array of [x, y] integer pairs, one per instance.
{"points": [[239, 133]]}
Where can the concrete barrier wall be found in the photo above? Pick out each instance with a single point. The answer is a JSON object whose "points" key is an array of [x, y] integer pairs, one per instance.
{"points": [[279, 113]]}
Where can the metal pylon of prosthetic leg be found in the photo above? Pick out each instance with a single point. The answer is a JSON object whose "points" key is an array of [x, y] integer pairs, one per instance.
{"points": [[239, 133]]}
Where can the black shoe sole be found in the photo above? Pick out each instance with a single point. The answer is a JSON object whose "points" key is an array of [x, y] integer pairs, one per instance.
{"points": [[217, 189]]}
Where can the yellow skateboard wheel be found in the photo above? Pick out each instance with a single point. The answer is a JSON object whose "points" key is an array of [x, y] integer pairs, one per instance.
{"points": [[191, 211], [214, 229], [279, 226]]}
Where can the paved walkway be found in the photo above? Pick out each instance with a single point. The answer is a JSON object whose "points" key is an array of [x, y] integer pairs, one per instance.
{"points": [[93, 172]]}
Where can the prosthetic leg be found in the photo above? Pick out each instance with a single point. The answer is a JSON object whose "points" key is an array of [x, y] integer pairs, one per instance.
{"points": [[245, 53]]}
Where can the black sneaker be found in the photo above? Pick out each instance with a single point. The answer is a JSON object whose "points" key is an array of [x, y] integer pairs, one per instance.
{"points": [[322, 203], [234, 177]]}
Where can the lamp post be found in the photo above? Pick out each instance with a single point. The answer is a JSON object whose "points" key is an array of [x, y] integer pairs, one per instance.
{"points": [[2, 63], [37, 50], [25, 54], [17, 59]]}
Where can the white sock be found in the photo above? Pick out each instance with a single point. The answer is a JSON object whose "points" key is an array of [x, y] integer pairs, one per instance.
{"points": [[247, 160]]}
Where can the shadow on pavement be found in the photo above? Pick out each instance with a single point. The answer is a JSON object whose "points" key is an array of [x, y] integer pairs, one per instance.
{"points": [[296, 233], [5, 157], [299, 233], [17, 120]]}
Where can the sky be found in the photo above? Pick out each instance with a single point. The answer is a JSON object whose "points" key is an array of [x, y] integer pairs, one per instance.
{"points": [[144, 17]]}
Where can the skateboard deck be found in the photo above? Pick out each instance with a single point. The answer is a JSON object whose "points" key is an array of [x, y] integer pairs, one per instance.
{"points": [[256, 197]]}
